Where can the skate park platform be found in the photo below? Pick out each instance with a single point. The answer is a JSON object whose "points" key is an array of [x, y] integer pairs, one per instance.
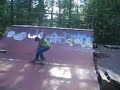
{"points": [[69, 61]]}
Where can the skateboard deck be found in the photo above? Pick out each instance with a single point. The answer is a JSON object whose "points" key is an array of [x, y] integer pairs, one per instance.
{"points": [[39, 62]]}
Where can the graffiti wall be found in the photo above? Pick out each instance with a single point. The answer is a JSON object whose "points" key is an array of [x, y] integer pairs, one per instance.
{"points": [[54, 36]]}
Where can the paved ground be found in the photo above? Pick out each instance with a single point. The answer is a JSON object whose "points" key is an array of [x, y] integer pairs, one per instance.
{"points": [[111, 61]]}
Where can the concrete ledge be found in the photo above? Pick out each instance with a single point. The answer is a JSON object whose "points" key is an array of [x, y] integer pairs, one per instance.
{"points": [[112, 46], [108, 80]]}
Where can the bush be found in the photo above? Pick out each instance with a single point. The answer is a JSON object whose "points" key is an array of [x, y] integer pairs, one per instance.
{"points": [[106, 20]]}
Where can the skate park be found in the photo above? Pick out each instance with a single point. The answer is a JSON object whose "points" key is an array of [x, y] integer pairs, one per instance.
{"points": [[69, 61], [84, 41]]}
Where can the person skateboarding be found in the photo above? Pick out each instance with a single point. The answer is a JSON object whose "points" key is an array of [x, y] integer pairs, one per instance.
{"points": [[43, 46]]}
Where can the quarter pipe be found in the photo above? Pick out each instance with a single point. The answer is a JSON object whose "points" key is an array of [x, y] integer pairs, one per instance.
{"points": [[69, 60]]}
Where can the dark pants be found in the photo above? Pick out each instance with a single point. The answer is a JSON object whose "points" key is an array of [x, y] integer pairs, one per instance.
{"points": [[40, 51]]}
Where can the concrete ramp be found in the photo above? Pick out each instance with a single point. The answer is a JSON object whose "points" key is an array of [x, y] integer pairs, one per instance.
{"points": [[69, 60]]}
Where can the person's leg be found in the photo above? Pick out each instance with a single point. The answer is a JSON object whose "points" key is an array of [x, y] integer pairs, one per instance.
{"points": [[37, 53], [37, 56], [41, 50], [42, 56]]}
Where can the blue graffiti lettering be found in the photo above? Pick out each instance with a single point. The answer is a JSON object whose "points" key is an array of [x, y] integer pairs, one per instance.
{"points": [[71, 39]]}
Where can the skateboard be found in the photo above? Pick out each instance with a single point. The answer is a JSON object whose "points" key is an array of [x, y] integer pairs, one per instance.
{"points": [[39, 62]]}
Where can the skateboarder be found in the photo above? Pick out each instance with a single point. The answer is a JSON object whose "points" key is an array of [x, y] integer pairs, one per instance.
{"points": [[43, 46]]}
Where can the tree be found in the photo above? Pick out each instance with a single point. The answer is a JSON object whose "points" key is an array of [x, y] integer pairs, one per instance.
{"points": [[70, 14], [38, 11], [106, 19], [29, 11], [4, 15], [61, 13]]}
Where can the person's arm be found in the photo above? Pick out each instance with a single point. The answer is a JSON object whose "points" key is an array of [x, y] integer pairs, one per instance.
{"points": [[34, 50]]}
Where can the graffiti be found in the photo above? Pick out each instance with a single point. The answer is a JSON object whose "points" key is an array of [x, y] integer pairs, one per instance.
{"points": [[64, 38], [19, 36], [11, 34]]}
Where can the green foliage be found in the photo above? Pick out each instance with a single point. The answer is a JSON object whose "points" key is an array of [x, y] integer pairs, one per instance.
{"points": [[58, 13], [4, 16], [29, 12], [106, 20], [70, 14]]}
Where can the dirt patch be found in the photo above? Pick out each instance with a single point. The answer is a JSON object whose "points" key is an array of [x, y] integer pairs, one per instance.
{"points": [[108, 58]]}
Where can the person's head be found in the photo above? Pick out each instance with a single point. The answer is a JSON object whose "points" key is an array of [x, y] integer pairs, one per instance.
{"points": [[37, 38]]}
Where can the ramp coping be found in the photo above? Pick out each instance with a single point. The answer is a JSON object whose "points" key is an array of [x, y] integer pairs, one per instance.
{"points": [[76, 29]]}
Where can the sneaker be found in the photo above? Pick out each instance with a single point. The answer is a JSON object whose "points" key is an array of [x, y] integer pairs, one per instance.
{"points": [[33, 60], [43, 61]]}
